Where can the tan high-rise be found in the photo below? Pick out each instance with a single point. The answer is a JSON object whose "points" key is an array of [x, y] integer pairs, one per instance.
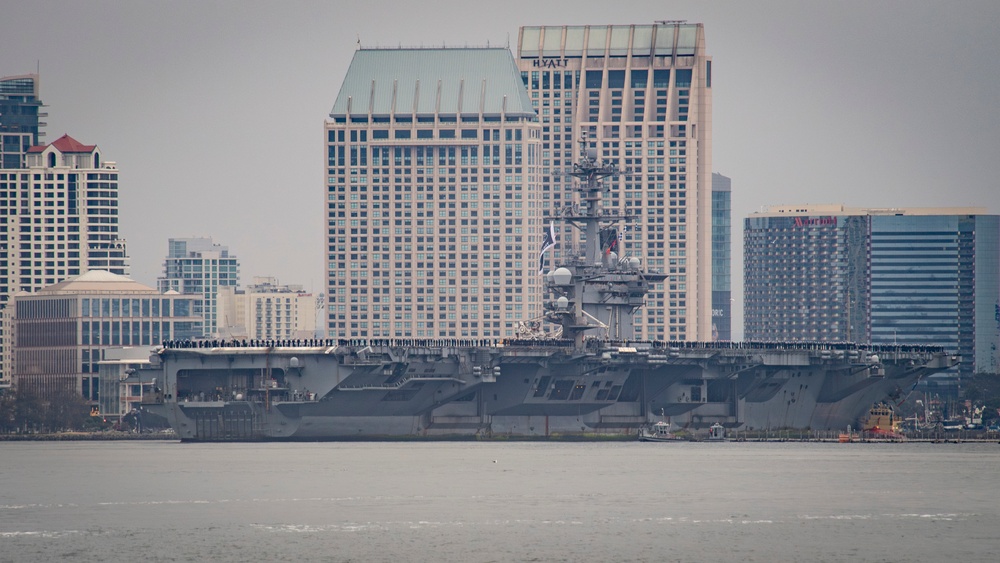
{"points": [[642, 94]]}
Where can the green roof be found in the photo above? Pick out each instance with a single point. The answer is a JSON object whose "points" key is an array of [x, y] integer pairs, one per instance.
{"points": [[468, 81]]}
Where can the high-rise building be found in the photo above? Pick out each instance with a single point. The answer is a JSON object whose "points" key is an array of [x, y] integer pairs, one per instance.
{"points": [[20, 127], [433, 196], [880, 276], [197, 266], [59, 333], [58, 219], [722, 243], [642, 95], [266, 310]]}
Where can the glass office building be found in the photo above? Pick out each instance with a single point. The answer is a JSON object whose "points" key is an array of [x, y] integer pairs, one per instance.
{"points": [[20, 113], [722, 243], [198, 266]]}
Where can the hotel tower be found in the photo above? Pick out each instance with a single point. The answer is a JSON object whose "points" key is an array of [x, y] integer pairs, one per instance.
{"points": [[642, 95], [433, 197]]}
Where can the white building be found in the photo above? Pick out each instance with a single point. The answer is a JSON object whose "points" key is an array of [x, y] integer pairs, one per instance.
{"points": [[266, 310], [58, 219], [433, 196], [643, 95], [197, 266]]}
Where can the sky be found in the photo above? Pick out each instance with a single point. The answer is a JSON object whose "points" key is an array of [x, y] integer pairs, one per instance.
{"points": [[214, 110]]}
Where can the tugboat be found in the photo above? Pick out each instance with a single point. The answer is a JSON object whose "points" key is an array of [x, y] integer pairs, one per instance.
{"points": [[882, 425]]}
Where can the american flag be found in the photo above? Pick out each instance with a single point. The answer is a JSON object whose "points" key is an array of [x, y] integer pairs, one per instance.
{"points": [[548, 241]]}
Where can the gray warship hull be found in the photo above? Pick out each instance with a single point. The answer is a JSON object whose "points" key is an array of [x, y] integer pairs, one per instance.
{"points": [[525, 389], [585, 378]]}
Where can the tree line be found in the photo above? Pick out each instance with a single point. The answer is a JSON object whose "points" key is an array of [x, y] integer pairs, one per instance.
{"points": [[27, 411]]}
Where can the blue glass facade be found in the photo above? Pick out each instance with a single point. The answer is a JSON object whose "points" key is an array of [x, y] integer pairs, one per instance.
{"points": [[987, 291], [934, 280], [198, 266], [722, 243], [19, 118], [921, 270]]}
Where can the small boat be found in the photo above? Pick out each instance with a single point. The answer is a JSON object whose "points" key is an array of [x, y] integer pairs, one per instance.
{"points": [[717, 433], [659, 432]]}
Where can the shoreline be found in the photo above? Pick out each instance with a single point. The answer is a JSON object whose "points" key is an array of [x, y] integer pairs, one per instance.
{"points": [[86, 436], [171, 436]]}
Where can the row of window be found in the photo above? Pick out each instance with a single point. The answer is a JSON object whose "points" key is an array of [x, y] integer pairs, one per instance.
{"points": [[113, 307]]}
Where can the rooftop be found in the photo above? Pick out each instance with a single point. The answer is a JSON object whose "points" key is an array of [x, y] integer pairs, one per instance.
{"points": [[470, 81], [65, 144], [841, 209], [98, 281]]}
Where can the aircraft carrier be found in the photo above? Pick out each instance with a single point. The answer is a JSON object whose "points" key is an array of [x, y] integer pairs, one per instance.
{"points": [[586, 377]]}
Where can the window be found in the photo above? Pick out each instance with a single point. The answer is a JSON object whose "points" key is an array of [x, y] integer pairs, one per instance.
{"points": [[683, 78], [638, 78], [661, 78], [616, 78], [595, 79]]}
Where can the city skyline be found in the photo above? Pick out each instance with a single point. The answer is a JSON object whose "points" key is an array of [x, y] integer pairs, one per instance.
{"points": [[876, 105]]}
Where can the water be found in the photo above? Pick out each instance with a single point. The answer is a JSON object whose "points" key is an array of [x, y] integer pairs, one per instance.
{"points": [[166, 501]]}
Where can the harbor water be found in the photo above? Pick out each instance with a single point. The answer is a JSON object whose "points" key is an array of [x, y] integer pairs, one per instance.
{"points": [[498, 501]]}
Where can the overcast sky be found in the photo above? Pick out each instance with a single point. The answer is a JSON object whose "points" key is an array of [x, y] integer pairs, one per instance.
{"points": [[214, 111]]}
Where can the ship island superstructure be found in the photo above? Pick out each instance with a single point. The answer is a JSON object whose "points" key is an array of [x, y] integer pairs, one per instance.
{"points": [[576, 372]]}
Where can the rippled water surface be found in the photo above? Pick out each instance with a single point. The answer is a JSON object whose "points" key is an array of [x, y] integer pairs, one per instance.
{"points": [[166, 501]]}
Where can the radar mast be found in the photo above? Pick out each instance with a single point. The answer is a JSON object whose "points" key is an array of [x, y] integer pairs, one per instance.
{"points": [[598, 288]]}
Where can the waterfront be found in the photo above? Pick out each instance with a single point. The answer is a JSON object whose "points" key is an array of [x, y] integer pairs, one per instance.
{"points": [[495, 501]]}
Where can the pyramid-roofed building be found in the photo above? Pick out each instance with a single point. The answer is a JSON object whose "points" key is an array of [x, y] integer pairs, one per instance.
{"points": [[446, 143], [65, 144], [465, 81]]}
